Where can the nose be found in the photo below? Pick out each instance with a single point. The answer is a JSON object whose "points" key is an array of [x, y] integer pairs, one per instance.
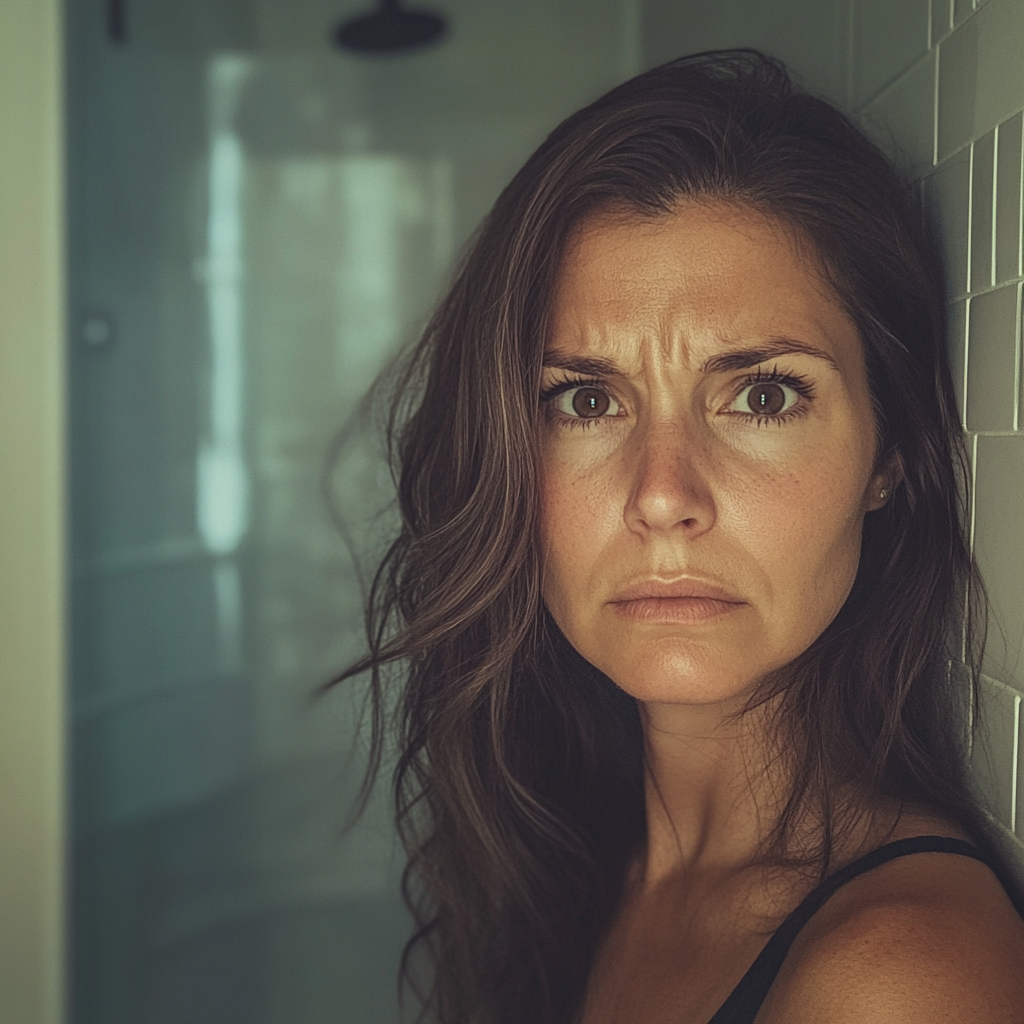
{"points": [[671, 489]]}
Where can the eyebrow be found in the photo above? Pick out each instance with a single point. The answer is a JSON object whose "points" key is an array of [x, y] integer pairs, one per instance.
{"points": [[586, 366], [724, 362], [743, 358]]}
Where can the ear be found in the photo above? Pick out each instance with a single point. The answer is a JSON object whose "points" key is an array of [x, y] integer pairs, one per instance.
{"points": [[887, 477]]}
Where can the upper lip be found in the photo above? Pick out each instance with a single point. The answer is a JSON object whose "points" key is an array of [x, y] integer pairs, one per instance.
{"points": [[683, 586]]}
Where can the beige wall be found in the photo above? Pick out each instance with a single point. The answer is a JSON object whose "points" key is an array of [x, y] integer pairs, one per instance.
{"points": [[31, 514]]}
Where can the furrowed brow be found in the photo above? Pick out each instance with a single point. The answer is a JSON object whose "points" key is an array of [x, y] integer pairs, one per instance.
{"points": [[585, 366], [742, 359]]}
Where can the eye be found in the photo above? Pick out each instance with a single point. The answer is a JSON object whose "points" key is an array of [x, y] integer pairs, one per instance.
{"points": [[768, 399], [585, 402]]}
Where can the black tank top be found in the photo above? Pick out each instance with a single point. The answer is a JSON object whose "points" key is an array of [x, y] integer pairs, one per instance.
{"points": [[746, 998]]}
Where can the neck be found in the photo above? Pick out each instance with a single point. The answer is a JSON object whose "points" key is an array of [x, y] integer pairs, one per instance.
{"points": [[714, 790]]}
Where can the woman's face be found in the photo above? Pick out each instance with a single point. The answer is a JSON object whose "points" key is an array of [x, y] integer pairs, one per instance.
{"points": [[708, 451]]}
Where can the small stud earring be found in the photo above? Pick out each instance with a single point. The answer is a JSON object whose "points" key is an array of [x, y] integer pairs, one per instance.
{"points": [[883, 494]]}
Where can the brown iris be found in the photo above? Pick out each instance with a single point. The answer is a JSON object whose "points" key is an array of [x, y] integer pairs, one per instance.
{"points": [[766, 399], [590, 402]]}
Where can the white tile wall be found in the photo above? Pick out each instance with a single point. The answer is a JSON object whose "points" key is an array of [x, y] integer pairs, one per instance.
{"points": [[952, 116], [992, 361], [1008, 200], [995, 752]]}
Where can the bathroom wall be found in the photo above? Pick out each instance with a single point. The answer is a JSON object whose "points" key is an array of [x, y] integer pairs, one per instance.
{"points": [[32, 601], [940, 85]]}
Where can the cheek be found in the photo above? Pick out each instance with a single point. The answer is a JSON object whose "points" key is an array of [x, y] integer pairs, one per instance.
{"points": [[803, 528], [580, 513]]}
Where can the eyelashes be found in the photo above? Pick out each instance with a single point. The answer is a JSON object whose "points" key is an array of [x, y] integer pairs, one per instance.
{"points": [[550, 396], [763, 386], [758, 386]]}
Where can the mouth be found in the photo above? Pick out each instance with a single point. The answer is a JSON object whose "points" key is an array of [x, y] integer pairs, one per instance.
{"points": [[679, 601]]}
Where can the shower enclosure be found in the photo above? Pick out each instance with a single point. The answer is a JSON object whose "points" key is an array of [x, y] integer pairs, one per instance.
{"points": [[258, 223]]}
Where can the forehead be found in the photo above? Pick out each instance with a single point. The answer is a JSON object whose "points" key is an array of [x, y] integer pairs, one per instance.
{"points": [[706, 276]]}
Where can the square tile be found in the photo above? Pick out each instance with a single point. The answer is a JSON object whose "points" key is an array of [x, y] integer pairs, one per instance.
{"points": [[956, 346], [942, 19], [996, 749], [958, 82], [999, 549], [962, 9], [980, 82], [947, 193], [887, 38], [983, 166], [992, 330], [1008, 198], [901, 119]]}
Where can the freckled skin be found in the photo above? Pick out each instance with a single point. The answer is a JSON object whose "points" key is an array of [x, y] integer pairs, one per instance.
{"points": [[680, 479]]}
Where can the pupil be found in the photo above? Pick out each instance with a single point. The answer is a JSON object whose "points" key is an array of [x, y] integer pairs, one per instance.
{"points": [[766, 399], [589, 402]]}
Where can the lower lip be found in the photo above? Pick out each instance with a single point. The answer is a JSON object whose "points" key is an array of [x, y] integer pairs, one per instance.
{"points": [[675, 609]]}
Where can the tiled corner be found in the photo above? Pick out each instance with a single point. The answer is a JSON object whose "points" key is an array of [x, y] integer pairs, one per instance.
{"points": [[992, 338], [1008, 198], [995, 752], [983, 166], [888, 37], [901, 119], [999, 549], [980, 83], [956, 346], [947, 193]]}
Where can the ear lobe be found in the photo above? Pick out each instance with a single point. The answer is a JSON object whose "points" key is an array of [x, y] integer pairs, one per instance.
{"points": [[884, 482]]}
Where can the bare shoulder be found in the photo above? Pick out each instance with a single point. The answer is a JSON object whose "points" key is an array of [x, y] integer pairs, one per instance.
{"points": [[925, 939]]}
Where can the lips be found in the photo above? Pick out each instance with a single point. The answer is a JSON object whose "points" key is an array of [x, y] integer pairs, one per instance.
{"points": [[680, 602], [653, 589]]}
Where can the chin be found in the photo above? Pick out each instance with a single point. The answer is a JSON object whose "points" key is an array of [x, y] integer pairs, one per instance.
{"points": [[675, 671]]}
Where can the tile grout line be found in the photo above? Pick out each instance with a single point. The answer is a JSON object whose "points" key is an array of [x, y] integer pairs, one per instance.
{"points": [[986, 290], [1020, 196], [1015, 762], [935, 101], [964, 363], [970, 217], [974, 481], [995, 204], [1016, 363]]}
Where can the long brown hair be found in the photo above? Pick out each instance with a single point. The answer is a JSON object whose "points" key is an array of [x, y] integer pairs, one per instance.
{"points": [[519, 781]]}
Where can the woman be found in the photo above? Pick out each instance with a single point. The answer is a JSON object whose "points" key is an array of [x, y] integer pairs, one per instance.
{"points": [[680, 583]]}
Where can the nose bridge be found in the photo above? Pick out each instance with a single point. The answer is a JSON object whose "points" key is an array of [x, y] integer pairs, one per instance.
{"points": [[671, 486]]}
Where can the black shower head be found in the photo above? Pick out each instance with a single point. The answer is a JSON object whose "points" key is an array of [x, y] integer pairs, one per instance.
{"points": [[390, 28]]}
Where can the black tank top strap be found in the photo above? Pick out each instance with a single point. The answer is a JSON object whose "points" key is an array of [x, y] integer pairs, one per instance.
{"points": [[744, 1002]]}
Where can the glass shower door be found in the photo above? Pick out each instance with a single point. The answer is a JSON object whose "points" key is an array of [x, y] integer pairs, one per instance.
{"points": [[259, 223]]}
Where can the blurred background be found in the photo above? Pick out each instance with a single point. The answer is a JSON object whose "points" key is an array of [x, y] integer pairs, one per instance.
{"points": [[253, 222]]}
